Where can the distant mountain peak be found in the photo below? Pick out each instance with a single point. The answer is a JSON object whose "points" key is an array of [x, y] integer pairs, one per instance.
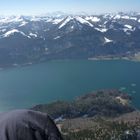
{"points": [[64, 36]]}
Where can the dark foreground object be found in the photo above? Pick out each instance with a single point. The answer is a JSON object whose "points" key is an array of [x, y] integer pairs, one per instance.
{"points": [[27, 125]]}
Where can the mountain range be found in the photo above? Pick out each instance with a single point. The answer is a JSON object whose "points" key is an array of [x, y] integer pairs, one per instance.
{"points": [[33, 39]]}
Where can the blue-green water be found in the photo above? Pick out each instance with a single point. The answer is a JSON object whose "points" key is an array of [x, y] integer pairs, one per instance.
{"points": [[24, 87]]}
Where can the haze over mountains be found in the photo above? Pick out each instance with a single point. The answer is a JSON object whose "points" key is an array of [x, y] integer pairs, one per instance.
{"points": [[31, 39]]}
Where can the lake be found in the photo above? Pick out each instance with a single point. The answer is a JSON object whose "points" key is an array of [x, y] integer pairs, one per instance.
{"points": [[24, 87]]}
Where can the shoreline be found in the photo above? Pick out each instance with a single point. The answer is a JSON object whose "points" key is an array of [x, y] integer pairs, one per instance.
{"points": [[11, 66], [132, 59]]}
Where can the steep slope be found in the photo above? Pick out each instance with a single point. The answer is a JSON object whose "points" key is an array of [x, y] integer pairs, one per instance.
{"points": [[41, 38]]}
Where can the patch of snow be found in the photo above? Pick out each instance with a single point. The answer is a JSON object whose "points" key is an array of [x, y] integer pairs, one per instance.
{"points": [[139, 20], [101, 29], [111, 16], [11, 19], [83, 21], [106, 15], [56, 21], [72, 27], [18, 19], [128, 29], [128, 26], [93, 19], [3, 30], [34, 18], [107, 40], [117, 17], [125, 17], [133, 18], [23, 23], [105, 22], [57, 37], [34, 35], [7, 34], [49, 20], [65, 22], [11, 32], [88, 18]]}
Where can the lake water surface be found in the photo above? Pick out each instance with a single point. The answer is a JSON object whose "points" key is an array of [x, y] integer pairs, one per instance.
{"points": [[24, 87]]}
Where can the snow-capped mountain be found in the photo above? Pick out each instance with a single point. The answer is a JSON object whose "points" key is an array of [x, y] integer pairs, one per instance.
{"points": [[25, 39]]}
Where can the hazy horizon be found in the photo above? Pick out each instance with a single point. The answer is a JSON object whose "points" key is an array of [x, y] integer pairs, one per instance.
{"points": [[36, 7]]}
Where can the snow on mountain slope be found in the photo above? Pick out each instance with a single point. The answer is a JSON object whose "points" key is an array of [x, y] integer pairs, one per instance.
{"points": [[77, 18], [101, 29], [128, 26], [125, 17], [11, 32], [2, 30], [65, 22], [57, 21], [107, 40], [133, 18], [33, 35], [34, 18], [117, 16], [11, 19], [93, 19], [23, 23], [83, 21], [68, 36], [33, 26], [57, 37]]}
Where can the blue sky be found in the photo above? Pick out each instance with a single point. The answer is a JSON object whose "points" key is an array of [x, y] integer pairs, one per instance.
{"points": [[89, 6]]}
